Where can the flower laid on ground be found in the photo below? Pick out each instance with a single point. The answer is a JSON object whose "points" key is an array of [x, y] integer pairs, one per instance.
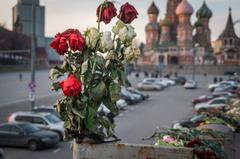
{"points": [[93, 69], [201, 141]]}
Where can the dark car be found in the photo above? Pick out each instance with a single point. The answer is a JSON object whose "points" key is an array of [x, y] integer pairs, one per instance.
{"points": [[26, 135], [180, 80], [143, 95], [1, 154], [129, 97], [190, 123]]}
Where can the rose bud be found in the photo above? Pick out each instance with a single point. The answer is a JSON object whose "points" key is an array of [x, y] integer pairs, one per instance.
{"points": [[71, 87], [108, 12], [127, 13], [59, 43], [76, 42]]}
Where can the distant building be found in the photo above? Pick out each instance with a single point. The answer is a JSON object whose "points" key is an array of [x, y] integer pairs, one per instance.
{"points": [[171, 40], [227, 46], [23, 22]]}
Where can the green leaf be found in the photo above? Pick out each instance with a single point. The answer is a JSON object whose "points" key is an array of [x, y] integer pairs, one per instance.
{"points": [[89, 119], [78, 113], [100, 61], [55, 86], [110, 105], [98, 92], [84, 66], [114, 91], [55, 73]]}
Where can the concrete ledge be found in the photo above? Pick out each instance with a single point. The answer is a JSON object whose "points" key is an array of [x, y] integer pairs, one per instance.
{"points": [[128, 151]]}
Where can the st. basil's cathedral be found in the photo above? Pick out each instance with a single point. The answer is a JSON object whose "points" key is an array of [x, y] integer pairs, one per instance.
{"points": [[174, 40]]}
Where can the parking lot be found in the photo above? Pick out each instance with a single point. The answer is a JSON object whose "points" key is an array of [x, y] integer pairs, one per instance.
{"points": [[134, 123]]}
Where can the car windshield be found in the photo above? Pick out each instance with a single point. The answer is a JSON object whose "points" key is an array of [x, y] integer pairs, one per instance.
{"points": [[52, 119], [29, 128]]}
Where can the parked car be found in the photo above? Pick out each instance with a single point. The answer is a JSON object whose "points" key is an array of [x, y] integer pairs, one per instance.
{"points": [[180, 80], [211, 87], [129, 97], [121, 104], [190, 123], [190, 84], [148, 86], [46, 109], [156, 81], [2, 154], [45, 121], [26, 135], [229, 88], [104, 111], [202, 99], [214, 104], [206, 98], [169, 82], [143, 95]]}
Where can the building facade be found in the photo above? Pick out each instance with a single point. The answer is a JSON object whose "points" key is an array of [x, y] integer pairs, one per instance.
{"points": [[227, 46], [171, 40], [22, 14]]}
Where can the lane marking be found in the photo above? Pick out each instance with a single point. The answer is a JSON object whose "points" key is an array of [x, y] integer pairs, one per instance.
{"points": [[57, 150], [26, 99]]}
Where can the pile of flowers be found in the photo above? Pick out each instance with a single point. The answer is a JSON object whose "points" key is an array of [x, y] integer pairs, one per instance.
{"points": [[93, 69], [201, 141]]}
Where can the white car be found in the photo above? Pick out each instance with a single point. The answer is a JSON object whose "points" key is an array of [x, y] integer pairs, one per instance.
{"points": [[168, 81], [215, 103], [190, 84], [148, 86], [121, 104], [211, 87], [46, 121], [156, 81]]}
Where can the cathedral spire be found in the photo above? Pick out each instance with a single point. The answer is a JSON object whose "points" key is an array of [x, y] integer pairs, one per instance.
{"points": [[229, 30]]}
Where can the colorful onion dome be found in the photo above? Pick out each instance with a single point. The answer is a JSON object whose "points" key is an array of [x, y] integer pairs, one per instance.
{"points": [[204, 11], [165, 22], [198, 24], [152, 26], [153, 9], [184, 8]]}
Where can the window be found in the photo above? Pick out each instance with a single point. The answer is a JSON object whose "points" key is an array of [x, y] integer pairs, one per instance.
{"points": [[218, 102], [225, 42], [24, 118], [231, 41], [5, 128], [15, 129], [38, 120]]}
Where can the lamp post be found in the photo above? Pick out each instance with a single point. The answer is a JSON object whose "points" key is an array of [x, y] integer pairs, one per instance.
{"points": [[32, 84], [193, 62]]}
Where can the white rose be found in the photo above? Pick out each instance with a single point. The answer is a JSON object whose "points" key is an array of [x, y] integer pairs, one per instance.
{"points": [[106, 41], [131, 52], [127, 33], [91, 36]]}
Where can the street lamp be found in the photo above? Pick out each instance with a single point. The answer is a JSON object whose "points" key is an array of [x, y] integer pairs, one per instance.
{"points": [[193, 62]]}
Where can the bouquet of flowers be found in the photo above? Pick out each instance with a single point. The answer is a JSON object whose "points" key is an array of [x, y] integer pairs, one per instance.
{"points": [[93, 69]]}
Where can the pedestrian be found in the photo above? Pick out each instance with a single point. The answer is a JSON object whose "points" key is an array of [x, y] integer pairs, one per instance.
{"points": [[215, 80], [205, 75], [220, 79], [146, 74], [137, 74], [20, 76]]}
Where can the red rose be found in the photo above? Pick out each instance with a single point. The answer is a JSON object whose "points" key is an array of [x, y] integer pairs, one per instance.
{"points": [[71, 86], [59, 43], [108, 12], [76, 42], [75, 39], [127, 13]]}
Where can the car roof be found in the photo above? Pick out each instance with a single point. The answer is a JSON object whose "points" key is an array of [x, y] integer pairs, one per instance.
{"points": [[31, 113]]}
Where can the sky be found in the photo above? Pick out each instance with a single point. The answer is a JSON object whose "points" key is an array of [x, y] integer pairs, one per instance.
{"points": [[80, 14]]}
